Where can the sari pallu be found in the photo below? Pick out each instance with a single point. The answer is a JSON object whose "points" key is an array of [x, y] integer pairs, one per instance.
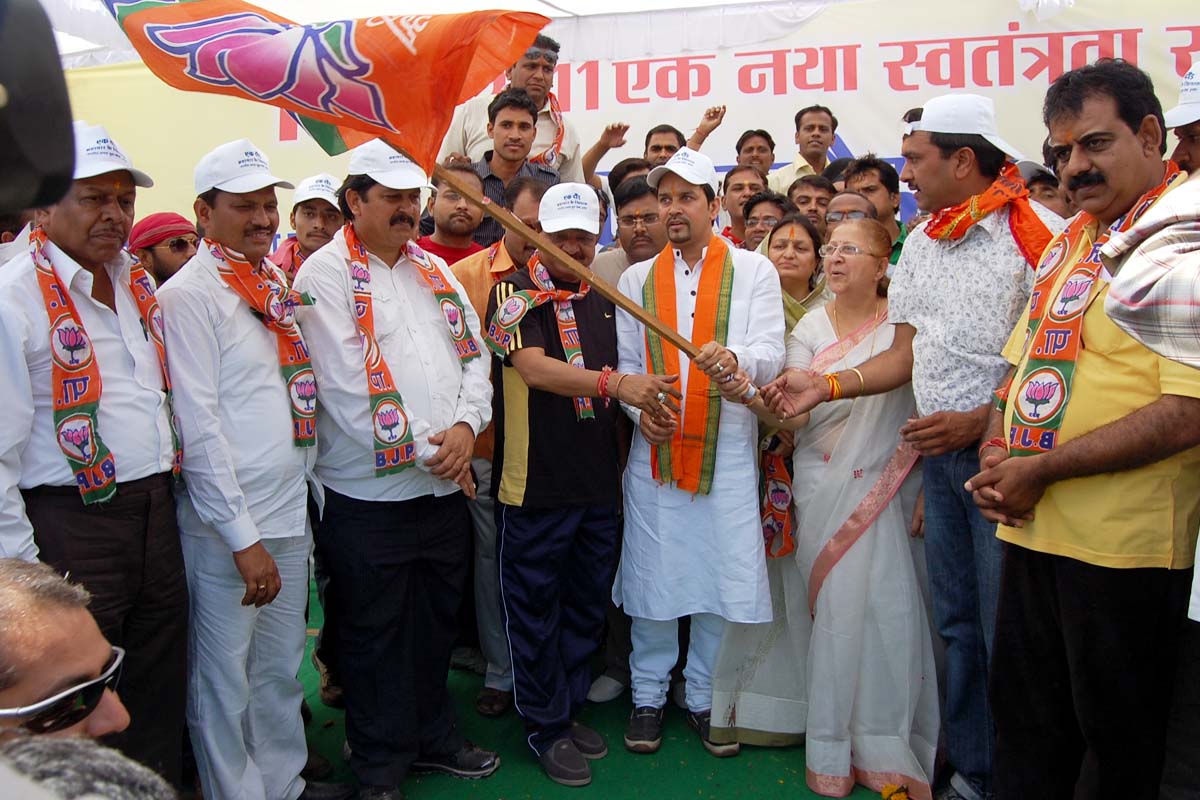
{"points": [[847, 665]]}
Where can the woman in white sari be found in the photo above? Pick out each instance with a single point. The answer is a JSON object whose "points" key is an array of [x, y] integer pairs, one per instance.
{"points": [[847, 664]]}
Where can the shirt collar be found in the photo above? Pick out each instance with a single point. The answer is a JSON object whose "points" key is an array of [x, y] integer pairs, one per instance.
{"points": [[504, 261], [70, 270]]}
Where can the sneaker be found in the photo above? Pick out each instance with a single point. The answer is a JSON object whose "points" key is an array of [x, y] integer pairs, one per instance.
{"points": [[644, 732], [563, 763], [699, 721], [468, 761], [605, 689], [331, 693], [589, 743]]}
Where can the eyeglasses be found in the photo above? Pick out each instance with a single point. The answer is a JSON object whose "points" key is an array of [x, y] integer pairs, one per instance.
{"points": [[754, 222], [72, 705], [838, 216], [179, 244], [645, 220], [845, 249]]}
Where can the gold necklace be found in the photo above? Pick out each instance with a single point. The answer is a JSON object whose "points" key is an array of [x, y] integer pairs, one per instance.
{"points": [[846, 348]]}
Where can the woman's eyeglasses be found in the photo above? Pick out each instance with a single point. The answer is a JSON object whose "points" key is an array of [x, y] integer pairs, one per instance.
{"points": [[845, 249], [72, 705], [179, 244]]}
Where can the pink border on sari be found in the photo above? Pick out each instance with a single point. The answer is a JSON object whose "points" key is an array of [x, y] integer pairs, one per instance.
{"points": [[825, 358], [864, 515], [842, 785]]}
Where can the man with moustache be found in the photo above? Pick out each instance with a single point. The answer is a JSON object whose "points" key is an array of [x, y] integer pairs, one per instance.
{"points": [[1184, 121], [163, 243], [762, 213], [404, 392], [811, 195], [511, 118], [756, 149], [315, 218], [245, 398], [87, 449], [455, 218], [741, 183], [555, 343], [955, 296], [640, 230], [693, 543], [555, 144], [1093, 428], [816, 127]]}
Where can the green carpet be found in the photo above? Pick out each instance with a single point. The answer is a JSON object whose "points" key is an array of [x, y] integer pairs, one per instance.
{"points": [[681, 769]]}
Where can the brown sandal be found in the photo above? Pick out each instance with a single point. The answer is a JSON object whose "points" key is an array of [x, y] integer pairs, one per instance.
{"points": [[492, 702]]}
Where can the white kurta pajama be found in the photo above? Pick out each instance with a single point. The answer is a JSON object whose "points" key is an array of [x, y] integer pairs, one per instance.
{"points": [[687, 554]]}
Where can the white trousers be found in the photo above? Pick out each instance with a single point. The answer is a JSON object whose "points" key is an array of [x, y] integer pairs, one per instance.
{"points": [[243, 705], [655, 651]]}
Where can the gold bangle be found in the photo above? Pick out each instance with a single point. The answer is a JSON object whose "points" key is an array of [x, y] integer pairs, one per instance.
{"points": [[862, 383]]}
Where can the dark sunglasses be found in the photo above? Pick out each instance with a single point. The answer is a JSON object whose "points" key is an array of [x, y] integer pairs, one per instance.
{"points": [[179, 244], [72, 705]]}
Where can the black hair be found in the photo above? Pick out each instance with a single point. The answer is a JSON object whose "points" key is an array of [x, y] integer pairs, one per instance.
{"points": [[665, 129], [360, 184], [988, 157], [758, 172], [815, 181], [1042, 177], [544, 42], [748, 135], [1129, 87], [512, 98], [209, 197], [633, 189], [456, 165], [602, 196], [870, 162], [518, 186], [12, 223], [785, 205], [835, 170], [815, 110], [616, 176]]}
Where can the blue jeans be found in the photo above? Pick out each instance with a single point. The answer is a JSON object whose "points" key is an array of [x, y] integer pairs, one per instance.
{"points": [[963, 555]]}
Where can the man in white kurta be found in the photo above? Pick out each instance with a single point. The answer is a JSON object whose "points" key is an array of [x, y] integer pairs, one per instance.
{"points": [[695, 554]]}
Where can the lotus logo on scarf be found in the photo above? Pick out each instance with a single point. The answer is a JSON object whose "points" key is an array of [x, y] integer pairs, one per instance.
{"points": [[390, 422], [75, 438], [70, 344], [511, 311], [303, 390], [1074, 290], [779, 494], [1044, 387], [454, 318]]}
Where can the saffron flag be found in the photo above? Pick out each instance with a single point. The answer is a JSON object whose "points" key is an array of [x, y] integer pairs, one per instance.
{"points": [[397, 77]]}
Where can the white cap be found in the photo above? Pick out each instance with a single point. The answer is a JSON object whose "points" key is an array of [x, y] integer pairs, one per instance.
{"points": [[964, 113], [317, 187], [96, 153], [236, 167], [570, 206], [388, 166], [1028, 168], [1188, 110], [691, 165]]}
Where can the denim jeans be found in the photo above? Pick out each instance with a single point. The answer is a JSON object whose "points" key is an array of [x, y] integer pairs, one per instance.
{"points": [[963, 556]]}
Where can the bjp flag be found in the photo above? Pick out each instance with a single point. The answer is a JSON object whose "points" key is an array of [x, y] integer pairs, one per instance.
{"points": [[397, 77]]}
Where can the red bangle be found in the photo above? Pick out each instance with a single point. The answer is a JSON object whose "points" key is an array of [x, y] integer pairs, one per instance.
{"points": [[995, 441], [602, 381]]}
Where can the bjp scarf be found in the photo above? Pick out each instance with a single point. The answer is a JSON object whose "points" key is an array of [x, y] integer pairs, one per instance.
{"points": [[75, 375], [266, 291], [507, 318], [1028, 230], [395, 450], [689, 458], [551, 155], [1043, 388]]}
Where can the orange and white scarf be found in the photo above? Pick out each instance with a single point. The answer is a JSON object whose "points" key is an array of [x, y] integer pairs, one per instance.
{"points": [[552, 155]]}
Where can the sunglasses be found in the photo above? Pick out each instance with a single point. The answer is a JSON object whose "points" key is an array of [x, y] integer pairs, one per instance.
{"points": [[179, 244], [72, 705]]}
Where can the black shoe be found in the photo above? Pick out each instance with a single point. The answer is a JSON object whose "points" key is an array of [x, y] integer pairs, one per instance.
{"points": [[305, 713], [563, 763], [326, 791], [380, 793], [589, 743], [644, 732], [700, 722], [317, 767], [468, 762]]}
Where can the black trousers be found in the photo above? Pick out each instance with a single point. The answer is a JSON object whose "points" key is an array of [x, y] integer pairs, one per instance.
{"points": [[556, 573], [126, 553], [398, 570], [1181, 772], [1082, 672]]}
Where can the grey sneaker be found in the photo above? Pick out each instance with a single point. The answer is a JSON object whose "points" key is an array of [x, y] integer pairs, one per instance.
{"points": [[700, 722]]}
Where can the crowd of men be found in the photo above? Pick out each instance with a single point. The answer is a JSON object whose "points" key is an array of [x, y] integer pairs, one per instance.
{"points": [[434, 409]]}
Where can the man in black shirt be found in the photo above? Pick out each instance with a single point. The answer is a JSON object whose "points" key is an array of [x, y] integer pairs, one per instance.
{"points": [[556, 478]]}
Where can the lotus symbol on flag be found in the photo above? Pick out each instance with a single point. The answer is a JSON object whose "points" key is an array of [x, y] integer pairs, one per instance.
{"points": [[779, 495], [1038, 393], [306, 391], [389, 420], [72, 340], [78, 438], [361, 277], [1072, 291], [452, 316]]}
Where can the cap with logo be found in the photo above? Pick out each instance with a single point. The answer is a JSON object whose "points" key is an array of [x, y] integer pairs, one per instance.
{"points": [[317, 187], [691, 165], [97, 154], [236, 167], [570, 206], [1188, 110], [386, 165], [967, 114]]}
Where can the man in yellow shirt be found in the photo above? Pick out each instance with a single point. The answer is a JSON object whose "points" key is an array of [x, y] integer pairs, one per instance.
{"points": [[1092, 470]]}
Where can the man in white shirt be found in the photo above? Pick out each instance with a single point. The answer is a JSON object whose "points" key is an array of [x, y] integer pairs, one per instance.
{"points": [[86, 447], [556, 144], [693, 536], [395, 450], [245, 399]]}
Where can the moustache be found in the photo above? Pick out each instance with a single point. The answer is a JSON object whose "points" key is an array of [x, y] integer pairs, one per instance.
{"points": [[407, 219], [1086, 179]]}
